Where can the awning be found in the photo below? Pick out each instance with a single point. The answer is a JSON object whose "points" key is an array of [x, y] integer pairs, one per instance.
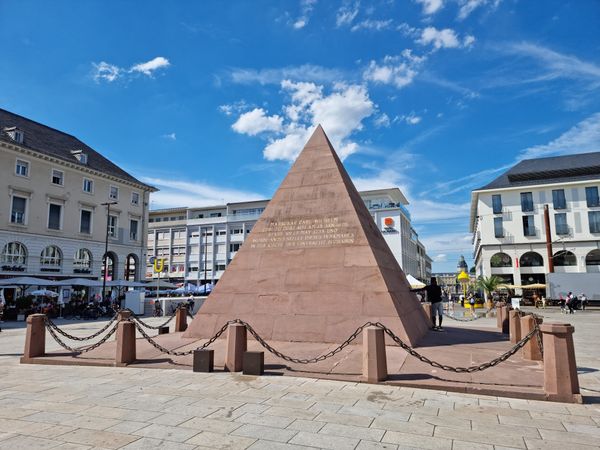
{"points": [[414, 283], [28, 281]]}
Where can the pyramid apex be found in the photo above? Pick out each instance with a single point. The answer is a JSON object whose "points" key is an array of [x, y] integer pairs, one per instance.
{"points": [[318, 138]]}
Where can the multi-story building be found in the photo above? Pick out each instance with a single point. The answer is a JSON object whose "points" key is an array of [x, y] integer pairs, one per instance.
{"points": [[198, 243], [507, 219], [53, 223]]}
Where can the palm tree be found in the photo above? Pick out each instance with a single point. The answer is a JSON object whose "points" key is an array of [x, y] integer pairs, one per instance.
{"points": [[489, 285]]}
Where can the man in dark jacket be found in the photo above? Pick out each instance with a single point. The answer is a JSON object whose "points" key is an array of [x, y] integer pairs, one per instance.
{"points": [[434, 296]]}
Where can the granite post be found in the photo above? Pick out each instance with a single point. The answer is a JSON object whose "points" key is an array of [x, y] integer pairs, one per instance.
{"points": [[560, 369], [35, 337], [236, 346], [374, 357]]}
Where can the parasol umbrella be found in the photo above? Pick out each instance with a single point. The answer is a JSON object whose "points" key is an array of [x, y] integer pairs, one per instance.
{"points": [[534, 286], [45, 293]]}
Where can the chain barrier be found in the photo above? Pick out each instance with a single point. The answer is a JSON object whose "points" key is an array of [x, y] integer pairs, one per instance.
{"points": [[494, 362], [287, 358], [81, 338], [469, 319], [162, 349], [67, 347], [538, 333], [152, 327]]}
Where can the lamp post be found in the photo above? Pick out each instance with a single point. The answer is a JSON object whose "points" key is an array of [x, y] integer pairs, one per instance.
{"points": [[105, 274]]}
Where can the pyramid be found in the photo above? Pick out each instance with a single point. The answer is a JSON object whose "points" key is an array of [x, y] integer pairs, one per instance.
{"points": [[315, 266]]}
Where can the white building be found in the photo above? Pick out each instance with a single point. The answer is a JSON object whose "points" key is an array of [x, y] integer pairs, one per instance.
{"points": [[52, 221], [507, 219], [198, 243]]}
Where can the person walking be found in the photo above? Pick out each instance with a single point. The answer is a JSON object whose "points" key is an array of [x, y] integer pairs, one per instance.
{"points": [[584, 301], [543, 301], [472, 303], [434, 296], [570, 301]]}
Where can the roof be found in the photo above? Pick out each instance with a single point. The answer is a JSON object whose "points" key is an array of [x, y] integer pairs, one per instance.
{"points": [[394, 192], [556, 169], [551, 170], [55, 143]]}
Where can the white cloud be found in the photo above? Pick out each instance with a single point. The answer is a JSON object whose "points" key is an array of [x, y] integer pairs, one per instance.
{"points": [[255, 122], [556, 65], [305, 72], [398, 70], [382, 121], [149, 67], [233, 108], [411, 119], [442, 257], [431, 6], [106, 72], [346, 14], [445, 38], [468, 6], [581, 138], [306, 8], [177, 193], [170, 136], [369, 24], [448, 242], [468, 40]]}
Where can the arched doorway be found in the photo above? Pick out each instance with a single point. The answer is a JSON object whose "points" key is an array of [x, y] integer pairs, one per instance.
{"points": [[110, 260], [51, 259], [131, 267], [592, 261], [531, 259], [14, 257], [82, 263], [564, 258], [500, 260]]}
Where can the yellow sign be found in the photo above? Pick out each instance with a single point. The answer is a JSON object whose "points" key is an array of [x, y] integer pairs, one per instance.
{"points": [[159, 265]]}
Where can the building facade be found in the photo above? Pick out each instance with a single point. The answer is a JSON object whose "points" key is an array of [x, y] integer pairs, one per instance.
{"points": [[198, 243], [507, 219], [52, 220]]}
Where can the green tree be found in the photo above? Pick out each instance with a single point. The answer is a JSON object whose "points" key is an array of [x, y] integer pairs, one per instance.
{"points": [[488, 285]]}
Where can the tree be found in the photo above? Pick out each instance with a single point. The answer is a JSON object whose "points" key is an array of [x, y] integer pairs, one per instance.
{"points": [[489, 285]]}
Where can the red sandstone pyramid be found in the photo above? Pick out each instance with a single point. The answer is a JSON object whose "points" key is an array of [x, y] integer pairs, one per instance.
{"points": [[315, 266]]}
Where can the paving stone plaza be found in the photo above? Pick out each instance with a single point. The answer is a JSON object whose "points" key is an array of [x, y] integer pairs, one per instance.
{"points": [[74, 407]]}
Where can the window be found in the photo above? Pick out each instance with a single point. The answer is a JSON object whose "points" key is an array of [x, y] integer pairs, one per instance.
{"points": [[526, 201], [501, 260], [528, 226], [15, 134], [236, 231], [531, 259], [219, 266], [85, 224], [497, 203], [498, 227], [161, 235], [564, 258], [88, 185], [133, 230], [215, 214], [14, 253], [591, 195], [82, 263], [22, 168], [222, 232], [560, 222], [51, 258], [179, 234], [112, 226], [17, 212], [234, 247], [594, 218], [135, 198], [58, 177], [558, 199], [113, 193], [54, 216]]}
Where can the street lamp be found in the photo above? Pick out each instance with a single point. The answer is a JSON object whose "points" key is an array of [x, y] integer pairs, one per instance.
{"points": [[105, 274]]}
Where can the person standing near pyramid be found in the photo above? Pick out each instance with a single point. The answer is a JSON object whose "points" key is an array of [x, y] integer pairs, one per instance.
{"points": [[434, 296]]}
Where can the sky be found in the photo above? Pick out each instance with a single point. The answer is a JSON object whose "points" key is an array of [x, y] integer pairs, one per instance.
{"points": [[211, 101]]}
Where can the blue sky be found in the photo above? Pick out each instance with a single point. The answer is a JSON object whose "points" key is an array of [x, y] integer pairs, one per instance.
{"points": [[210, 101]]}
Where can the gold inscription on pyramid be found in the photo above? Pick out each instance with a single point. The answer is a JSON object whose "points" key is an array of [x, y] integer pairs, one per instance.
{"points": [[303, 233]]}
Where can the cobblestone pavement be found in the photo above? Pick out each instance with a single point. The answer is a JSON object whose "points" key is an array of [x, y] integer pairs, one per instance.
{"points": [[70, 407]]}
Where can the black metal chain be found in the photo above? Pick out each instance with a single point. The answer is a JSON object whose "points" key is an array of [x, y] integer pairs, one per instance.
{"points": [[162, 349], [448, 368], [323, 357], [67, 347], [538, 333], [152, 327], [81, 338]]}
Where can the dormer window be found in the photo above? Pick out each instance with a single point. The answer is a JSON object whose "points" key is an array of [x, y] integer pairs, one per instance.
{"points": [[80, 156], [15, 134]]}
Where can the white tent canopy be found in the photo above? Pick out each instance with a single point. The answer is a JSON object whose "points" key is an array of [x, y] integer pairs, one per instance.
{"points": [[161, 284], [80, 282], [28, 281], [414, 283]]}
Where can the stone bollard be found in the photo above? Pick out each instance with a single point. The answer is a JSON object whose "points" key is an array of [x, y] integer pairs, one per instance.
{"points": [[499, 306], [163, 330], [236, 346], [181, 319], [428, 311], [504, 321], [123, 315], [531, 350], [374, 358], [560, 369], [204, 360], [125, 343], [35, 337], [514, 319], [254, 363]]}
